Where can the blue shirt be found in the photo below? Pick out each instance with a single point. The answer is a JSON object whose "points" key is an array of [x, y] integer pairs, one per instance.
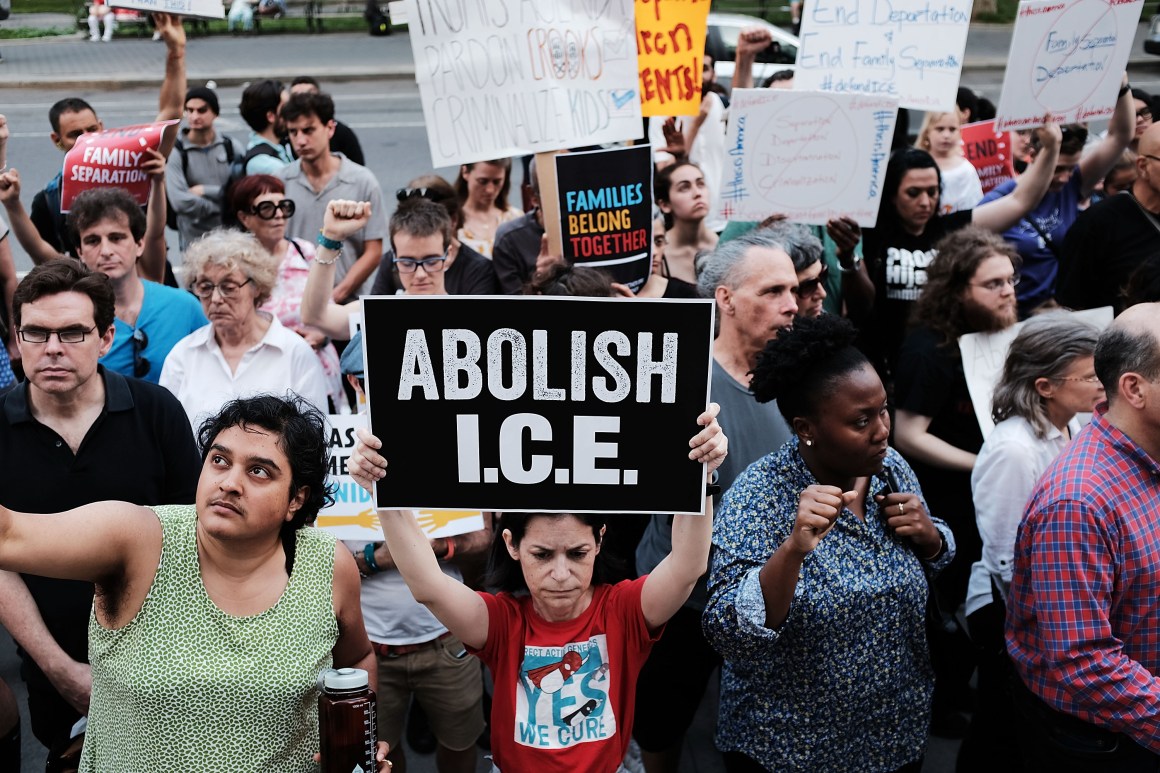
{"points": [[167, 315], [265, 164], [1054, 215], [845, 682]]}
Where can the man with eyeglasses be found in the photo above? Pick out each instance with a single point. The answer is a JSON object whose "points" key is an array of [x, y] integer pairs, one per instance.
{"points": [[1039, 235], [199, 167], [76, 432], [970, 287], [1112, 238]]}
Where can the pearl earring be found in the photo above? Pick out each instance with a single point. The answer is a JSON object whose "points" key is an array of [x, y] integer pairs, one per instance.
{"points": [[809, 443]]}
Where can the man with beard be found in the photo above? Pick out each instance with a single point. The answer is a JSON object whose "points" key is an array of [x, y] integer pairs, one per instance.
{"points": [[970, 288], [265, 152]]}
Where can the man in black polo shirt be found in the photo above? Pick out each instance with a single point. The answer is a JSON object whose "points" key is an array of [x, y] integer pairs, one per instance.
{"points": [[76, 433]]}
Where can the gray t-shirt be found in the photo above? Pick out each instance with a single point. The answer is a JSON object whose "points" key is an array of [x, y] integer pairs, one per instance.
{"points": [[754, 430], [352, 182]]}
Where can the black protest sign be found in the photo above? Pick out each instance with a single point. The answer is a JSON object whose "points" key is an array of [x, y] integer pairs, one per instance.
{"points": [[606, 211], [538, 404]]}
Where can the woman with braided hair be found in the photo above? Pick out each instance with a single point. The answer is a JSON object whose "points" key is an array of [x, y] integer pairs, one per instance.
{"points": [[818, 584]]}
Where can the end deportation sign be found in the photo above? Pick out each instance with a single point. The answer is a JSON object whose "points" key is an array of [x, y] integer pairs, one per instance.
{"points": [[606, 211], [538, 404]]}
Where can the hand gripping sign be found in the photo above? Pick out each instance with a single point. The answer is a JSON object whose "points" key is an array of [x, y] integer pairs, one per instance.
{"points": [[537, 404]]}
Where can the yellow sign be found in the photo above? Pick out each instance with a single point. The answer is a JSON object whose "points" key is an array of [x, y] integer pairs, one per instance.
{"points": [[670, 49]]}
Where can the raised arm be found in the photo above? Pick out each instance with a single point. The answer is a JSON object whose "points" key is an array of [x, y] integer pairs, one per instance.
{"points": [[22, 226], [453, 603], [1002, 213], [342, 218], [151, 266], [668, 587], [1095, 164], [171, 99], [751, 42]]}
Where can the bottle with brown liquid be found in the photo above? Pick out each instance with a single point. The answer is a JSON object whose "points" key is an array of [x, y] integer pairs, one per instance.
{"points": [[347, 726]]}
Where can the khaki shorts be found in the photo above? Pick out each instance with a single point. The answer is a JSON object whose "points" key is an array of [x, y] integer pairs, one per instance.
{"points": [[447, 684]]}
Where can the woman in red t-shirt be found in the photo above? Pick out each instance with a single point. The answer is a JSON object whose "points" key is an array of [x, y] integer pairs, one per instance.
{"points": [[564, 647]]}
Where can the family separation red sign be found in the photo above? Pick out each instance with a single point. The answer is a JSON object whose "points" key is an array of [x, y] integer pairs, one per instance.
{"points": [[538, 404], [606, 211], [112, 158], [989, 152]]}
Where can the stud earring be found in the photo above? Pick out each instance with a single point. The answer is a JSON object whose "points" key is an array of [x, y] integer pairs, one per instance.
{"points": [[809, 443]]}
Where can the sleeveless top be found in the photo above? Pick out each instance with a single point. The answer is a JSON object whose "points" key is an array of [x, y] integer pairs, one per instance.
{"points": [[185, 686]]}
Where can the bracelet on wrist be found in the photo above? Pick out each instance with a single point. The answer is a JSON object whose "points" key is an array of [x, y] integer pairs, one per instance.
{"points": [[450, 549], [327, 243], [942, 543], [1124, 90], [369, 555]]}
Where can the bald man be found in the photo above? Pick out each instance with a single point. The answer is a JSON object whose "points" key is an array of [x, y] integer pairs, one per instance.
{"points": [[1112, 238], [1083, 616]]}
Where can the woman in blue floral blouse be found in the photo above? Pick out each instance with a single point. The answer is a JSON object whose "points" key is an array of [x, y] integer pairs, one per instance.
{"points": [[818, 583]]}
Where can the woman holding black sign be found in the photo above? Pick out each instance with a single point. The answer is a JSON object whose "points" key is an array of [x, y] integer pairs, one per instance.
{"points": [[818, 588], [565, 647]]}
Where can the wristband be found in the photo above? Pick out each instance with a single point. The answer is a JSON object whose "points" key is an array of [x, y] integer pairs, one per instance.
{"points": [[942, 545], [369, 555], [328, 243], [1124, 90], [450, 549]]}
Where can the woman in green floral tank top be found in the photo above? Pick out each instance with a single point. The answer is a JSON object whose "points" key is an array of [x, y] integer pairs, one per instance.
{"points": [[211, 622]]}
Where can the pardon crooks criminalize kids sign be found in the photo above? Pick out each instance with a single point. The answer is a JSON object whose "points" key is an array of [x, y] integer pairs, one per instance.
{"points": [[538, 404]]}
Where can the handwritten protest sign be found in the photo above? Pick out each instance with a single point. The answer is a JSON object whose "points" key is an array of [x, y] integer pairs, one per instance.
{"points": [[204, 9], [910, 49], [505, 79], [352, 516], [670, 48], [606, 211], [811, 157], [112, 158], [1066, 60], [538, 404], [984, 355], [989, 152]]}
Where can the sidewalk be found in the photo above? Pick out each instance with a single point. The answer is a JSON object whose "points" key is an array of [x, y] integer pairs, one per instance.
{"points": [[74, 62]]}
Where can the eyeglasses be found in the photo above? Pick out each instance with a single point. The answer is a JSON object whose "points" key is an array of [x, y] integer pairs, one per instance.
{"points": [[141, 365], [1082, 379], [35, 335], [227, 288], [1144, 113], [1150, 156], [914, 193], [198, 110], [432, 265], [810, 286], [995, 285], [402, 194], [268, 210]]}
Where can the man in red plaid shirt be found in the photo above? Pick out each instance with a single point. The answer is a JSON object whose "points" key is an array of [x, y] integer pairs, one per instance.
{"points": [[1083, 621]]}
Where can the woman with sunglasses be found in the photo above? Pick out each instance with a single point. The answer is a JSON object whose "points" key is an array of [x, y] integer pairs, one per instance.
{"points": [[243, 351], [1049, 377], [900, 246], [264, 211]]}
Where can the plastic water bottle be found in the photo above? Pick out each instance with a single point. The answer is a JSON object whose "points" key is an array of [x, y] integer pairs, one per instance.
{"points": [[347, 725]]}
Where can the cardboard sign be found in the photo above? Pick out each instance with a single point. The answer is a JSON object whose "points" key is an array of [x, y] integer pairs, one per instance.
{"points": [[984, 355], [910, 49], [811, 157], [202, 9], [1066, 60], [353, 517], [989, 152], [606, 211], [538, 404], [670, 46], [112, 158], [506, 79]]}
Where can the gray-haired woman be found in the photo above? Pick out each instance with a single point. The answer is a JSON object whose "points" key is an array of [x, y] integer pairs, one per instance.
{"points": [[243, 351], [1048, 377]]}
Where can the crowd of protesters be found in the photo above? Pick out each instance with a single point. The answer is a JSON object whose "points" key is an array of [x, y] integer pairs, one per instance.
{"points": [[873, 566]]}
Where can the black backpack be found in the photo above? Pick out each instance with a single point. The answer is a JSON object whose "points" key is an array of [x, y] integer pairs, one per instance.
{"points": [[237, 172], [179, 146]]}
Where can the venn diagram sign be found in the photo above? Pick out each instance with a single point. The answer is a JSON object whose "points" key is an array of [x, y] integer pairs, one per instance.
{"points": [[1066, 61]]}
